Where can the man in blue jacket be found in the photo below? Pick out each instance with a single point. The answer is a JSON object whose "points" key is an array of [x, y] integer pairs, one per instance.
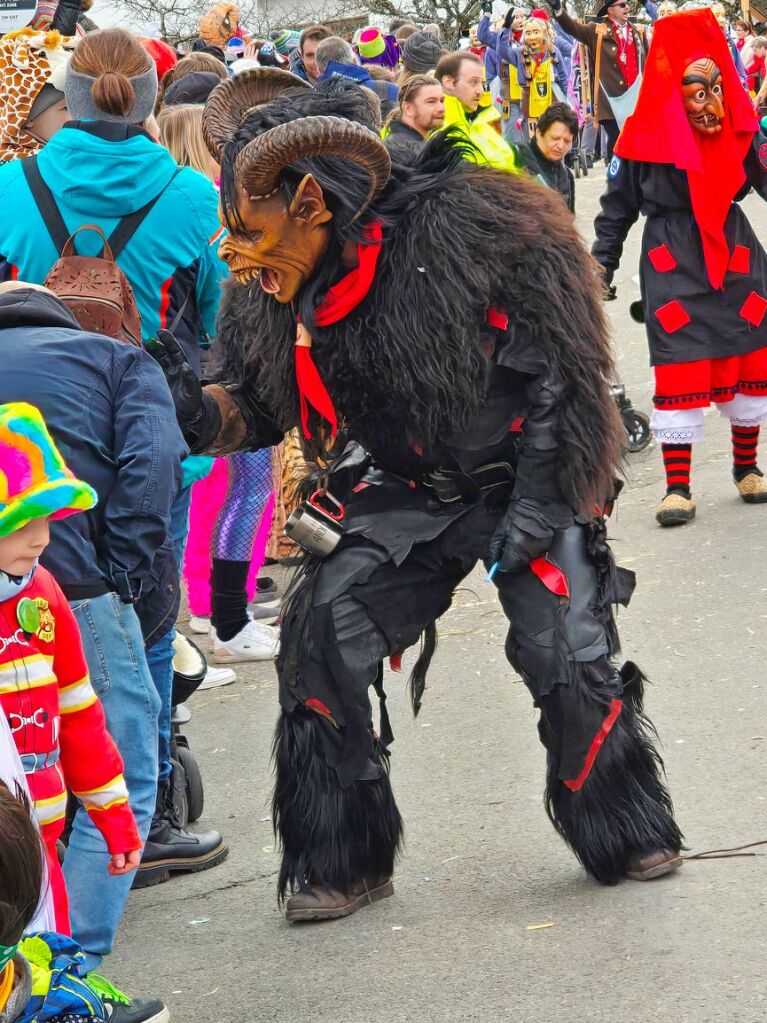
{"points": [[107, 406]]}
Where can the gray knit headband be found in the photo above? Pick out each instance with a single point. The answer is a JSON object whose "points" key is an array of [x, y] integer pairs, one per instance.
{"points": [[78, 89]]}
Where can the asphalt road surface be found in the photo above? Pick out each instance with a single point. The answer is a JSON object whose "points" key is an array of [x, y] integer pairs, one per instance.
{"points": [[492, 918]]}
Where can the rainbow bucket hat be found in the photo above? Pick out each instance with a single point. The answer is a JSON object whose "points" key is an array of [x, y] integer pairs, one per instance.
{"points": [[35, 482]]}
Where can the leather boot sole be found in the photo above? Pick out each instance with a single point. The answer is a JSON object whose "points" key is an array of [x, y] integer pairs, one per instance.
{"points": [[159, 871], [365, 898], [666, 867]]}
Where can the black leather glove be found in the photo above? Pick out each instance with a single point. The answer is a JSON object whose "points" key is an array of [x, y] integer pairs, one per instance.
{"points": [[522, 534], [556, 6], [197, 417], [487, 7]]}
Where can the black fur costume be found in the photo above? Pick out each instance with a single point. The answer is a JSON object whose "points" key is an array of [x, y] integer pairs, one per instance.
{"points": [[416, 367]]}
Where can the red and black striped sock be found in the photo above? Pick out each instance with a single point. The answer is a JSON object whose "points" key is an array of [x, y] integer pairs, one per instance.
{"points": [[745, 440], [676, 461]]}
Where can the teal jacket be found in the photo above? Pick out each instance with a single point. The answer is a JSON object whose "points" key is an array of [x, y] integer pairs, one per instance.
{"points": [[98, 173]]}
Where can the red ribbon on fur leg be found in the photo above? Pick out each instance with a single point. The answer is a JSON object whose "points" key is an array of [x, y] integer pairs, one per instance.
{"points": [[575, 784], [311, 389]]}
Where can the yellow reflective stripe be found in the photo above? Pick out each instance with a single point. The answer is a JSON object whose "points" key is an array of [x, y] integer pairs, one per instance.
{"points": [[80, 706], [49, 810], [76, 697], [105, 796], [36, 673], [107, 806]]}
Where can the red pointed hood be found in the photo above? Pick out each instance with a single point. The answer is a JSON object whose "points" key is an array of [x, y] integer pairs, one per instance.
{"points": [[659, 132]]}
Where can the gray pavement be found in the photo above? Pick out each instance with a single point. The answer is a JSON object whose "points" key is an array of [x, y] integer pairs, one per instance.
{"points": [[482, 870]]}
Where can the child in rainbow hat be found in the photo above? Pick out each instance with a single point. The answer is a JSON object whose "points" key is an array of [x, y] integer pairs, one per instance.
{"points": [[45, 692]]}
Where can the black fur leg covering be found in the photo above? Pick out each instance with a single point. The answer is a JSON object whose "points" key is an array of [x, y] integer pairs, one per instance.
{"points": [[624, 807], [329, 834]]}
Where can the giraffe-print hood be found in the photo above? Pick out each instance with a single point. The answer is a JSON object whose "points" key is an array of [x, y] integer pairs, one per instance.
{"points": [[28, 60]]}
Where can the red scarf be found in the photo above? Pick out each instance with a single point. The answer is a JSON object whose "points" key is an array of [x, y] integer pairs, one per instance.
{"points": [[659, 132], [338, 303]]}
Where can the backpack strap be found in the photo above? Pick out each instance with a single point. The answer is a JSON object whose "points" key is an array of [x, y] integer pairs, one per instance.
{"points": [[54, 221], [128, 226], [46, 204]]}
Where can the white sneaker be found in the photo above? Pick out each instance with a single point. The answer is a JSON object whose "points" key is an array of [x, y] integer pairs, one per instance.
{"points": [[199, 625], [254, 642], [217, 677]]}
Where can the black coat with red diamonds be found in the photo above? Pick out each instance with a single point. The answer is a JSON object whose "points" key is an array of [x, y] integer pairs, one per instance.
{"points": [[686, 319]]}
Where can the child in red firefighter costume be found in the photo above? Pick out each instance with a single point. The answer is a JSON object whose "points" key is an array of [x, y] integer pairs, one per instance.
{"points": [[687, 156], [45, 693], [484, 429]]}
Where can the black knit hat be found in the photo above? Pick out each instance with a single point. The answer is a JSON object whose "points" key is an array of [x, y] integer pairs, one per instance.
{"points": [[421, 52], [192, 88]]}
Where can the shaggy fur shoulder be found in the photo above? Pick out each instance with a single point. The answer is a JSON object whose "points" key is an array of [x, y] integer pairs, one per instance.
{"points": [[408, 364]]}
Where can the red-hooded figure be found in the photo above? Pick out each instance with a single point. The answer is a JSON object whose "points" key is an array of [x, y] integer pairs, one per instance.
{"points": [[686, 158]]}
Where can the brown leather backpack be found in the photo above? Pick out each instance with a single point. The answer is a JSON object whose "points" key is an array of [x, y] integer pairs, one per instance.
{"points": [[94, 288]]}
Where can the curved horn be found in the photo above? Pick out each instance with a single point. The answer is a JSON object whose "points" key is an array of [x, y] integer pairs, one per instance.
{"points": [[259, 164], [231, 102]]}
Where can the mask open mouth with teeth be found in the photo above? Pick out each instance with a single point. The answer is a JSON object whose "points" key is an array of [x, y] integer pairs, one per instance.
{"points": [[703, 96], [278, 220]]}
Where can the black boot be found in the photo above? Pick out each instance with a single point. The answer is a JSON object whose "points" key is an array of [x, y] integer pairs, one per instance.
{"points": [[169, 848]]}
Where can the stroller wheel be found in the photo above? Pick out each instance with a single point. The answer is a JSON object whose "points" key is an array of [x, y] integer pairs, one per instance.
{"points": [[178, 789], [195, 795], [637, 426]]}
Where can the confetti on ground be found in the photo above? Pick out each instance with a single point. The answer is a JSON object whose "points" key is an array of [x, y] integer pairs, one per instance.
{"points": [[398, 928], [201, 920], [540, 927], [267, 848]]}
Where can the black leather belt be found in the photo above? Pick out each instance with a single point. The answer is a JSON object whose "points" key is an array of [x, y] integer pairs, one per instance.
{"points": [[449, 485]]}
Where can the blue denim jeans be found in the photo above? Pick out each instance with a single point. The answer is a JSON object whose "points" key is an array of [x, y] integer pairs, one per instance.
{"points": [[160, 655], [114, 650]]}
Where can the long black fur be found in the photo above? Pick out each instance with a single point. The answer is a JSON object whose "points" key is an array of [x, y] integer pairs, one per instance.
{"points": [[330, 834], [417, 680], [624, 807], [407, 365]]}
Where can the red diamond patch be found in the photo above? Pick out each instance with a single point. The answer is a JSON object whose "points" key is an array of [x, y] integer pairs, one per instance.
{"points": [[673, 316]]}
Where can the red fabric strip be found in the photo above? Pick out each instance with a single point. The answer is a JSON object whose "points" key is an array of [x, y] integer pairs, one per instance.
{"points": [[497, 318], [352, 289], [312, 391], [552, 577], [165, 301], [574, 784]]}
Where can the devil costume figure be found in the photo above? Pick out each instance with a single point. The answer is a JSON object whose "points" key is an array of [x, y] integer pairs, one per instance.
{"points": [[687, 156], [369, 298]]}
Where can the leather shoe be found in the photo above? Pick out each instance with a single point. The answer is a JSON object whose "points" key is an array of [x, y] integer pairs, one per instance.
{"points": [[648, 866], [318, 902], [171, 849]]}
